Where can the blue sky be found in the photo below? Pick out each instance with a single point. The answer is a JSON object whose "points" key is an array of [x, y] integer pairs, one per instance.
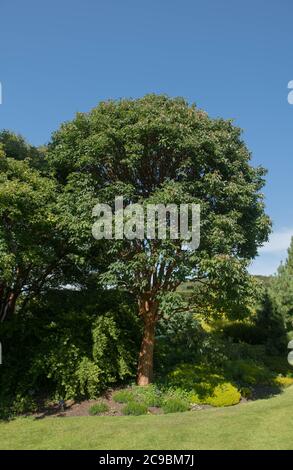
{"points": [[231, 58]]}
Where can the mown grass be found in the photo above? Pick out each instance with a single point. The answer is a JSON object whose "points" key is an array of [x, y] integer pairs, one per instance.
{"points": [[264, 424]]}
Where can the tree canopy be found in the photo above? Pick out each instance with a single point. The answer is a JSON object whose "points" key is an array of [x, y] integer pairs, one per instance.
{"points": [[162, 150]]}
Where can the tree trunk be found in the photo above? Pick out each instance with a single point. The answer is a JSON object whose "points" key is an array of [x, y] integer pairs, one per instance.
{"points": [[148, 311], [7, 306]]}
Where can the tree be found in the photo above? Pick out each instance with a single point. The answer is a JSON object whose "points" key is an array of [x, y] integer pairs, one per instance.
{"points": [[161, 150], [33, 248], [282, 288], [270, 324]]}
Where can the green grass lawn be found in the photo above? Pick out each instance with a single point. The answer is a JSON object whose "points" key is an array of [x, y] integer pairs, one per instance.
{"points": [[265, 424]]}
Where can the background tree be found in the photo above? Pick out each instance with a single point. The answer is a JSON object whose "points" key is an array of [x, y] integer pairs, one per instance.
{"points": [[161, 150], [34, 249], [271, 326], [282, 289]]}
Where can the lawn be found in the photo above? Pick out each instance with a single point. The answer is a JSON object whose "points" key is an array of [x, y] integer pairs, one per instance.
{"points": [[264, 424]]}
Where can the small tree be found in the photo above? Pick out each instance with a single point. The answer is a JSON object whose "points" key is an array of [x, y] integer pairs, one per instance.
{"points": [[271, 325], [161, 150], [282, 288]]}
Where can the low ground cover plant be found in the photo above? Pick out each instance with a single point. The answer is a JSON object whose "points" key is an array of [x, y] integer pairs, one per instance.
{"points": [[135, 408], [98, 408], [175, 405]]}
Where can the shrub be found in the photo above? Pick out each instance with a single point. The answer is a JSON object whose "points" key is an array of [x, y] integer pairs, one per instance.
{"points": [[123, 396], [23, 405], [186, 376], [88, 375], [283, 382], [224, 395], [278, 364], [175, 405], [249, 373], [112, 350], [178, 393], [134, 408], [204, 386], [75, 345], [244, 333], [246, 392], [98, 408], [150, 395], [179, 338]]}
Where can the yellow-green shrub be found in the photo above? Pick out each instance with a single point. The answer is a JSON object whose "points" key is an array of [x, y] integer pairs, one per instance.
{"points": [[283, 382], [224, 394], [205, 386], [186, 376]]}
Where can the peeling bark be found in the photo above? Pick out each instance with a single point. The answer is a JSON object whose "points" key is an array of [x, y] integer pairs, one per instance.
{"points": [[148, 310]]}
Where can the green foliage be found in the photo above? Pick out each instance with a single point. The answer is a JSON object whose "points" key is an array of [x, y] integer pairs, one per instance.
{"points": [[175, 405], [249, 373], [241, 332], [17, 148], [89, 381], [150, 395], [283, 382], [23, 405], [187, 376], [111, 349], [281, 290], [150, 150], [269, 320], [135, 408], [98, 409], [204, 385], [154, 150], [61, 348], [29, 243], [170, 392], [224, 394], [123, 396], [180, 339]]}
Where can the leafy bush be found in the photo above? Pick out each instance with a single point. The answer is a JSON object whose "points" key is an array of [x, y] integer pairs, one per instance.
{"points": [[74, 344], [283, 382], [179, 338], [246, 392], [175, 405], [244, 332], [123, 396], [174, 393], [270, 320], [111, 349], [278, 364], [150, 395], [224, 394], [89, 375], [249, 373], [98, 408], [134, 408], [23, 405], [204, 386], [187, 376]]}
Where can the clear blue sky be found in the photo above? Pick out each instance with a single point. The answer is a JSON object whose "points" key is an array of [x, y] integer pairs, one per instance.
{"points": [[232, 58]]}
